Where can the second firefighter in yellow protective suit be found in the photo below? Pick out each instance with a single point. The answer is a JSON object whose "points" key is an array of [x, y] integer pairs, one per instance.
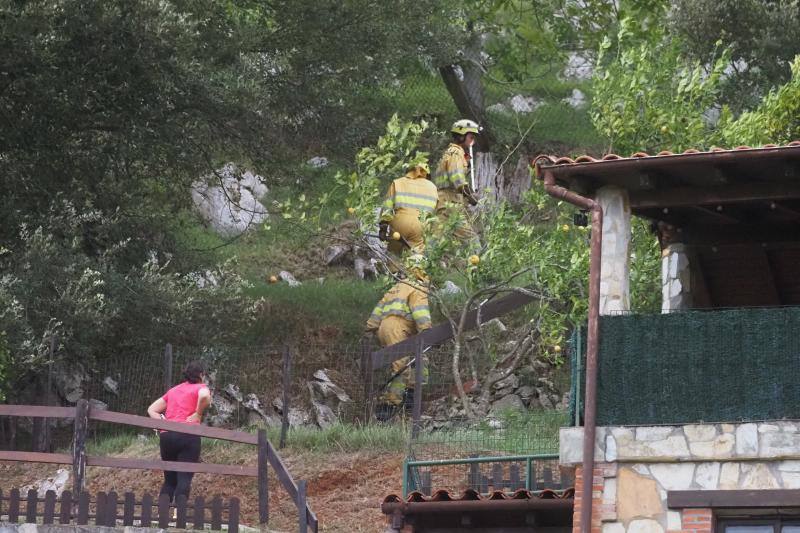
{"points": [[401, 313], [452, 179], [408, 199]]}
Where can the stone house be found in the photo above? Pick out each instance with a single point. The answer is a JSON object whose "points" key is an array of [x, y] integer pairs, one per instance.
{"points": [[690, 418]]}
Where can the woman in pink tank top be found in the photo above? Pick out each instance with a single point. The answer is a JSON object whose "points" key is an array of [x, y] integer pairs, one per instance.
{"points": [[183, 403]]}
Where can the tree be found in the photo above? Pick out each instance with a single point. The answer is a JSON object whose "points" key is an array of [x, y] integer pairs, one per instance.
{"points": [[764, 38]]}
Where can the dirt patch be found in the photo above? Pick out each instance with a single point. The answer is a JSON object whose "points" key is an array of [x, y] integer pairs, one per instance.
{"points": [[344, 489]]}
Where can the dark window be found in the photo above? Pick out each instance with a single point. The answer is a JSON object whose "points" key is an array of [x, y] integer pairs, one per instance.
{"points": [[760, 525]]}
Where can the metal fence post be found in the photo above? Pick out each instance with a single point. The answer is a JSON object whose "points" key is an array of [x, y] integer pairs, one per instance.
{"points": [[263, 471], [405, 477], [167, 366], [79, 446], [48, 445], [418, 372], [528, 473], [302, 516], [287, 382]]}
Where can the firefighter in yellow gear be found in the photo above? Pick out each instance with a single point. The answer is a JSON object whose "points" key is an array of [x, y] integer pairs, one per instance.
{"points": [[408, 199], [401, 313], [452, 178]]}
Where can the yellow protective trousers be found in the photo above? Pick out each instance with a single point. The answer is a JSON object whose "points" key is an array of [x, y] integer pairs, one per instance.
{"points": [[406, 223], [394, 329]]}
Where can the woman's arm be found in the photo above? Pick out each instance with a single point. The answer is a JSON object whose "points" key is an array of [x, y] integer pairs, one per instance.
{"points": [[203, 401], [157, 409]]}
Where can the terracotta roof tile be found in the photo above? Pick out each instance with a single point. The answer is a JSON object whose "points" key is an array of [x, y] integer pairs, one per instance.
{"points": [[472, 495], [557, 161]]}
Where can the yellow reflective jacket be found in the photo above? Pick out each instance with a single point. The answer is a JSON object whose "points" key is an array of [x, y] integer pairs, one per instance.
{"points": [[411, 194], [406, 300], [451, 172]]}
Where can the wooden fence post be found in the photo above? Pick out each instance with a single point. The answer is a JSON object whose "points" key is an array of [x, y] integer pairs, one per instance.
{"points": [[418, 373], [302, 507], [79, 445], [167, 366], [287, 383], [263, 487], [366, 359]]}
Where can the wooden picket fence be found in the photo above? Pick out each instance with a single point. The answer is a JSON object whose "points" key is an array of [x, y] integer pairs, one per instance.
{"points": [[83, 414], [104, 510]]}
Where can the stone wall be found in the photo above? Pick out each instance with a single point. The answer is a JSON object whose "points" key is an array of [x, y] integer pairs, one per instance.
{"points": [[637, 466]]}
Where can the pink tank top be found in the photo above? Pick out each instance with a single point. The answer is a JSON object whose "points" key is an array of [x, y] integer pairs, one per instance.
{"points": [[182, 401]]}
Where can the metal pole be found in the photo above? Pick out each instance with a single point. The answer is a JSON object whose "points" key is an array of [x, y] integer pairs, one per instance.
{"points": [[287, 382], [528, 473], [417, 413], [47, 443], [592, 343], [579, 359], [405, 477]]}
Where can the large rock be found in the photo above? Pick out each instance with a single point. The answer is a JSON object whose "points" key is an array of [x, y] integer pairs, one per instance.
{"points": [[56, 483], [512, 402], [230, 199], [222, 411], [365, 268], [69, 381], [335, 253], [327, 399], [111, 385]]}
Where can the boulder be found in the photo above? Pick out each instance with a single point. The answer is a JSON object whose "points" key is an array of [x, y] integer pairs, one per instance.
{"points": [[511, 381], [283, 275], [507, 403], [230, 199], [111, 385], [317, 162], [450, 288], [69, 382], [222, 411], [56, 483], [335, 253], [576, 100], [97, 405], [327, 399], [365, 268], [234, 392]]}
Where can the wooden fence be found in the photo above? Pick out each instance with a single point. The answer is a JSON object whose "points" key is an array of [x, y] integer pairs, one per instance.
{"points": [[104, 510], [82, 414]]}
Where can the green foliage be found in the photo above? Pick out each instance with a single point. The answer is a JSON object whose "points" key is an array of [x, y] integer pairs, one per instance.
{"points": [[347, 438], [775, 120], [648, 97], [764, 38]]}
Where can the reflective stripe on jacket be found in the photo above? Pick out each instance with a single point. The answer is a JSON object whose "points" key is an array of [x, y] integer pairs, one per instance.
{"points": [[406, 300], [451, 172], [418, 195]]}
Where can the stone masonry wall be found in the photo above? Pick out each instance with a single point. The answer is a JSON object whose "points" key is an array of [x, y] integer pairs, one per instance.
{"points": [[636, 467]]}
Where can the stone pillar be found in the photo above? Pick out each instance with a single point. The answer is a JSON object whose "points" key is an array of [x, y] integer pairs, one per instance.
{"points": [[615, 263], [676, 287]]}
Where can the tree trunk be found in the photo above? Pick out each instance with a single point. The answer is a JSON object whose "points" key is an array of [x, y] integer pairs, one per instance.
{"points": [[503, 183], [464, 82]]}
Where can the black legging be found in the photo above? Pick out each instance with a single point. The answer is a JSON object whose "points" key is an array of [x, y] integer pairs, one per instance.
{"points": [[183, 448]]}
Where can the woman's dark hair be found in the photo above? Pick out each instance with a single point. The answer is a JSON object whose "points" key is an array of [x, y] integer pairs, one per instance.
{"points": [[193, 373]]}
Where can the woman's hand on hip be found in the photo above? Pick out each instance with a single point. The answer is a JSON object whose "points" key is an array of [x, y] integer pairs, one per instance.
{"points": [[193, 418]]}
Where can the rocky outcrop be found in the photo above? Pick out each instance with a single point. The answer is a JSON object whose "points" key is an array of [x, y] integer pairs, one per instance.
{"points": [[327, 399], [229, 199]]}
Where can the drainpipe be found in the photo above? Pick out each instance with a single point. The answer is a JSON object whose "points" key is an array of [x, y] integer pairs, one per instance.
{"points": [[590, 409]]}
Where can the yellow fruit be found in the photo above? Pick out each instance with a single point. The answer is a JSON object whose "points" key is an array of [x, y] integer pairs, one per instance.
{"points": [[273, 279], [396, 236], [565, 227], [474, 260], [351, 210], [664, 129], [557, 348]]}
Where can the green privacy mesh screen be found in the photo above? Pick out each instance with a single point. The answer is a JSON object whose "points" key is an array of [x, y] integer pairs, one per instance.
{"points": [[698, 366]]}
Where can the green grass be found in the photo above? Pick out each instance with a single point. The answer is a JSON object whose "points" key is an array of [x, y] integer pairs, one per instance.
{"points": [[338, 303]]}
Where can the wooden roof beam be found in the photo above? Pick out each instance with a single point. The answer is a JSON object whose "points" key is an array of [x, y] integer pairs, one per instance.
{"points": [[691, 196], [727, 234]]}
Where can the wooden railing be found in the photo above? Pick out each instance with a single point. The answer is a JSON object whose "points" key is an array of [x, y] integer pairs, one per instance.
{"points": [[104, 510], [82, 414]]}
